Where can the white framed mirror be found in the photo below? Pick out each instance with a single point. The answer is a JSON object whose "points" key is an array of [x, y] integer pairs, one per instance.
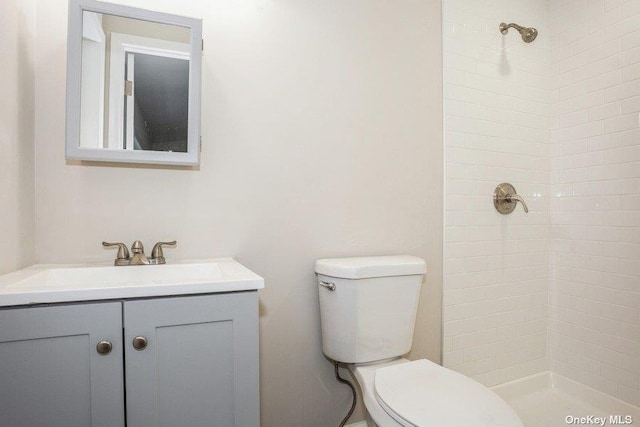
{"points": [[133, 85]]}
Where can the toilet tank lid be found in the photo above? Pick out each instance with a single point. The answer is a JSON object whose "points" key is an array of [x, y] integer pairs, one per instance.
{"points": [[371, 266]]}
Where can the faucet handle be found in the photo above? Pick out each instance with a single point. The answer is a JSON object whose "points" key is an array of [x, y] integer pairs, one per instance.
{"points": [[157, 255], [123, 252]]}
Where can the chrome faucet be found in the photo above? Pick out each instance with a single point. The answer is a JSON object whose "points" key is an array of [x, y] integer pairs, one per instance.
{"points": [[139, 258]]}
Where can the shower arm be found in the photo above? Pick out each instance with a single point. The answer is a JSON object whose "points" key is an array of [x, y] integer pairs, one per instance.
{"points": [[528, 34], [504, 28]]}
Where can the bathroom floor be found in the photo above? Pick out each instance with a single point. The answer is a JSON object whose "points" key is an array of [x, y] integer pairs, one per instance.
{"points": [[549, 400]]}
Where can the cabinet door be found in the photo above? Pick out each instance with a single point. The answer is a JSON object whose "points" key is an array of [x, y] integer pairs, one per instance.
{"points": [[50, 371], [200, 365]]}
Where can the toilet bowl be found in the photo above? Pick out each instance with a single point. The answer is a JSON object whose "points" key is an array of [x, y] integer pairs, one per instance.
{"points": [[422, 393], [368, 308]]}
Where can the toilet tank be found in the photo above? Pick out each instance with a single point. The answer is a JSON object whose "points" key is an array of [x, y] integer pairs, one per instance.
{"points": [[370, 315]]}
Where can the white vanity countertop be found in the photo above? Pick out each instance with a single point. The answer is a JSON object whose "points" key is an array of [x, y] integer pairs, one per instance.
{"points": [[54, 283]]}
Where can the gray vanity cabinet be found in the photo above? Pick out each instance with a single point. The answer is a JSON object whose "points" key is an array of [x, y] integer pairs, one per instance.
{"points": [[50, 372], [183, 361], [199, 367]]}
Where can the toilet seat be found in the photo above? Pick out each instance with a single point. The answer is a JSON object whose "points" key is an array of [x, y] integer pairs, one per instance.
{"points": [[423, 393]]}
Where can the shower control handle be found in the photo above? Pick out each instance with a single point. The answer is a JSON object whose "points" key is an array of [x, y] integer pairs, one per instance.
{"points": [[521, 200], [505, 199]]}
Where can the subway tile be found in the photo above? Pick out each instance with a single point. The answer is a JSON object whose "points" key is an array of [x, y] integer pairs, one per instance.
{"points": [[630, 137], [630, 105], [622, 123], [560, 286], [603, 142], [587, 130], [589, 100], [604, 111], [621, 314], [624, 24], [632, 39], [630, 73], [631, 56], [610, 4], [622, 91], [630, 8]]}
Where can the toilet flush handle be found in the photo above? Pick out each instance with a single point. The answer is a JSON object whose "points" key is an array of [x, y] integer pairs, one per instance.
{"points": [[329, 285]]}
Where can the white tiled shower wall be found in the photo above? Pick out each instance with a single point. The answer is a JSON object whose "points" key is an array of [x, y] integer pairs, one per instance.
{"points": [[558, 118], [498, 109], [594, 329]]}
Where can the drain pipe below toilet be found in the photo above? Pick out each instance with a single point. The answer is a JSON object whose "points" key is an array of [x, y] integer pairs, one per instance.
{"points": [[353, 392]]}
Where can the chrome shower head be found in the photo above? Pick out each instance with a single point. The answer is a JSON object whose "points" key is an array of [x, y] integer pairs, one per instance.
{"points": [[528, 34]]}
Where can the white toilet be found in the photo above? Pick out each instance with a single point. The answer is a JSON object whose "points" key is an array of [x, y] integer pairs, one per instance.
{"points": [[368, 310]]}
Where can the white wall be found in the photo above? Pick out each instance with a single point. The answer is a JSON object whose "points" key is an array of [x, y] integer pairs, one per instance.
{"points": [[17, 32], [498, 104], [594, 331], [322, 137]]}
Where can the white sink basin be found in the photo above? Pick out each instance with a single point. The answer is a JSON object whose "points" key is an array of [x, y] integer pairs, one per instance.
{"points": [[47, 284]]}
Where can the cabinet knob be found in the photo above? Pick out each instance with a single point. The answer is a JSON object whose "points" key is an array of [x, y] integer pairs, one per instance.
{"points": [[140, 343], [104, 347]]}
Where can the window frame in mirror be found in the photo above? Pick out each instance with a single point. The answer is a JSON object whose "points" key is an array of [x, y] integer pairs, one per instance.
{"points": [[73, 151]]}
